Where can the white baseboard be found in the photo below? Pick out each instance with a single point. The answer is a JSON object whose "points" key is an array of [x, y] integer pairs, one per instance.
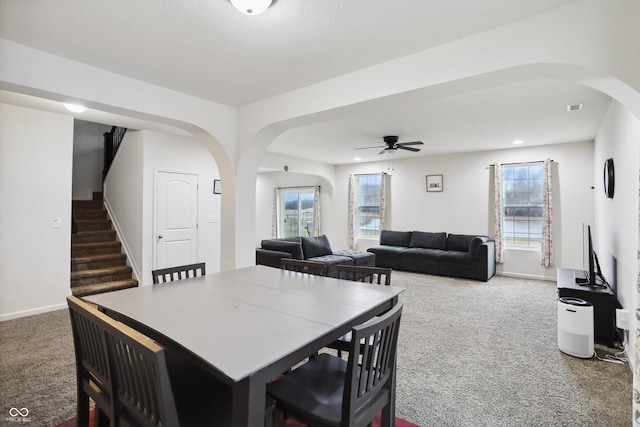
{"points": [[31, 312], [526, 276]]}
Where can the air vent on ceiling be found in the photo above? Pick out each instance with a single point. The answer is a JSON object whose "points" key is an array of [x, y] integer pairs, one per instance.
{"points": [[574, 107]]}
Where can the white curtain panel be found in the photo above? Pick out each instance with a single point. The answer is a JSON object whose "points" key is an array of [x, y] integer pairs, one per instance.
{"points": [[546, 249], [316, 211], [353, 197], [498, 196], [636, 365], [274, 213], [383, 200]]}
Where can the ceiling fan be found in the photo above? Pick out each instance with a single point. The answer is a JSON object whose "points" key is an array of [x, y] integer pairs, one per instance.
{"points": [[392, 143]]}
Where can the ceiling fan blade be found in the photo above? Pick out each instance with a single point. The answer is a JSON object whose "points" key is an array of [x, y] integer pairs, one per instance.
{"points": [[408, 148], [383, 151], [411, 143], [367, 148]]}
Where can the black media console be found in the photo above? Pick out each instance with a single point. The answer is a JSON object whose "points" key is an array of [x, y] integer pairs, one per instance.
{"points": [[603, 300]]}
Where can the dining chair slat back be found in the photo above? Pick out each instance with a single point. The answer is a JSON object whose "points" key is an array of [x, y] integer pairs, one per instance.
{"points": [[143, 388], [377, 275], [93, 373], [330, 391], [304, 266], [137, 367], [170, 274]]}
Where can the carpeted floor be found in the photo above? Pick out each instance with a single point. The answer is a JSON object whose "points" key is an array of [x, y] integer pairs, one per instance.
{"points": [[470, 354]]}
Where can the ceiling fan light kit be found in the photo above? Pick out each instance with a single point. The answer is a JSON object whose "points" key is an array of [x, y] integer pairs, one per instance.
{"points": [[251, 7]]}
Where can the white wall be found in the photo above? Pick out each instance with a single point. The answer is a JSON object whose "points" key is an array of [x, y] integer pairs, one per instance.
{"points": [[465, 205], [35, 188], [616, 220], [88, 158], [130, 192], [124, 197]]}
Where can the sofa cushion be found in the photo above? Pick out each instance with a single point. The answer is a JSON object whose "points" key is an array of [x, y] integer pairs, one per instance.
{"points": [[291, 245], [316, 246], [459, 242], [332, 262], [421, 260], [365, 259], [395, 238], [427, 240]]}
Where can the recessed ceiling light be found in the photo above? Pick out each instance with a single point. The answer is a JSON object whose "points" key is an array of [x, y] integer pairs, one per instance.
{"points": [[574, 107], [357, 159], [517, 142], [75, 108]]}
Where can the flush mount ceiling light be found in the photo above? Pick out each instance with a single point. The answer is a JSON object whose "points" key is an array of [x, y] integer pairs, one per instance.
{"points": [[251, 7], [75, 108]]}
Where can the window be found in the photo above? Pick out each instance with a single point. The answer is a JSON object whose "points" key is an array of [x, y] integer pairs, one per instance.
{"points": [[368, 188], [523, 204], [296, 212]]}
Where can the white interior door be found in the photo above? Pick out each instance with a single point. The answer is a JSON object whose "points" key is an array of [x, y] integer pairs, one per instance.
{"points": [[176, 232]]}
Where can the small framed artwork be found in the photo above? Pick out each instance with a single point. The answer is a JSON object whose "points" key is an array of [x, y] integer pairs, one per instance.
{"points": [[434, 183], [217, 186]]}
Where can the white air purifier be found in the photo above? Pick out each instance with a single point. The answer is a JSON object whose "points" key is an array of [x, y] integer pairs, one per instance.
{"points": [[575, 327]]}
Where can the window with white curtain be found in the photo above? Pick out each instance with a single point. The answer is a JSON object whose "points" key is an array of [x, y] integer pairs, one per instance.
{"points": [[523, 203], [296, 214]]}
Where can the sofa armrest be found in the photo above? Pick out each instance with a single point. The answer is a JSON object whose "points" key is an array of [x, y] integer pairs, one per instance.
{"points": [[270, 258]]}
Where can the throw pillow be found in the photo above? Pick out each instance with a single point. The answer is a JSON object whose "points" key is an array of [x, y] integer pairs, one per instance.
{"points": [[316, 246], [459, 242], [427, 240], [395, 238]]}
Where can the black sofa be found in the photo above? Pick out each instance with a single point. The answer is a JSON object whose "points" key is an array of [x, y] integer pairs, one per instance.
{"points": [[316, 248], [455, 255]]}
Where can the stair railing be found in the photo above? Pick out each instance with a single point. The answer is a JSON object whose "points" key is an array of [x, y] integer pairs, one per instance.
{"points": [[112, 140]]}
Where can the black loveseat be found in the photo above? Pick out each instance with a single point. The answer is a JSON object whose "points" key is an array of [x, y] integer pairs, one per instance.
{"points": [[316, 248], [455, 255]]}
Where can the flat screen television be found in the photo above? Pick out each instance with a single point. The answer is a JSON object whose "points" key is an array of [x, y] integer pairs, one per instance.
{"points": [[591, 263]]}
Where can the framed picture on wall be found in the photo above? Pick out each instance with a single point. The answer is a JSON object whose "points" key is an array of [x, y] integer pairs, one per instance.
{"points": [[217, 186], [434, 183]]}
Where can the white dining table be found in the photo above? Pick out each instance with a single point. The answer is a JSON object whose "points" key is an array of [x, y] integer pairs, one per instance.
{"points": [[247, 326]]}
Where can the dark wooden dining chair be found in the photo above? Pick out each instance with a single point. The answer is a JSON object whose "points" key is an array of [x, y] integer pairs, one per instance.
{"points": [[93, 373], [331, 391], [303, 266], [377, 275], [163, 275], [150, 386]]}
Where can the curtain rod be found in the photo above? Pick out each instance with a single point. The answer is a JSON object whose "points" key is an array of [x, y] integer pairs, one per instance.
{"points": [[520, 163], [300, 186]]}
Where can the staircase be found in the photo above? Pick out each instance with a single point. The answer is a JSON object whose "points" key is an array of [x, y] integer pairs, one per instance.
{"points": [[97, 262]]}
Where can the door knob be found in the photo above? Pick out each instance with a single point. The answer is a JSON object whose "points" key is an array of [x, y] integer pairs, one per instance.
{"points": [[160, 236]]}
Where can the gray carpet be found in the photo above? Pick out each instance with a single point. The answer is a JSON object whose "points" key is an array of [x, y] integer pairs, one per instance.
{"points": [[470, 354]]}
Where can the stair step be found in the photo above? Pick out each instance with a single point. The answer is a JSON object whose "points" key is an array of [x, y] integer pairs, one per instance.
{"points": [[80, 214], [94, 262], [82, 291], [93, 224], [87, 204], [93, 236], [101, 275], [99, 248]]}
